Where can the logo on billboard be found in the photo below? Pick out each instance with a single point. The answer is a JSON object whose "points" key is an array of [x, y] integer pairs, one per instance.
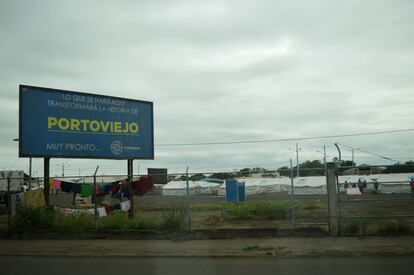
{"points": [[117, 147]]}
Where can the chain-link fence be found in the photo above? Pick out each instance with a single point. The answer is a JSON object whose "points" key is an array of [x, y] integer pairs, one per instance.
{"points": [[197, 201], [372, 201]]}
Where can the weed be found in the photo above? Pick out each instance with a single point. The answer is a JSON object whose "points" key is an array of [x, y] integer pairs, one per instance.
{"points": [[173, 219], [258, 210], [207, 207], [118, 220], [28, 219], [306, 205], [355, 227], [394, 228], [142, 221]]}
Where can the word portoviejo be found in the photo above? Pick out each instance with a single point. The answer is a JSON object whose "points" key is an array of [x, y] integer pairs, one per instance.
{"points": [[91, 126]]}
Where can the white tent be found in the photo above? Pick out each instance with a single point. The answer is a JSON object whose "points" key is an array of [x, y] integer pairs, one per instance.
{"points": [[207, 188], [179, 188]]}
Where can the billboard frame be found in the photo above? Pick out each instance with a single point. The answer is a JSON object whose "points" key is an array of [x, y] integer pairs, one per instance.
{"points": [[21, 154]]}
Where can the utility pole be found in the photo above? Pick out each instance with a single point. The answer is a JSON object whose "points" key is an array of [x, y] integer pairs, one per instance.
{"points": [[352, 150], [297, 160]]}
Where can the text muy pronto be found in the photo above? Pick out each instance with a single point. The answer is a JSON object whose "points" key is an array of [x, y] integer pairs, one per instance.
{"points": [[86, 125]]}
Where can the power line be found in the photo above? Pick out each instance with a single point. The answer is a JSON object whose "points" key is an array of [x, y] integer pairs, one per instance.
{"points": [[282, 139], [370, 153]]}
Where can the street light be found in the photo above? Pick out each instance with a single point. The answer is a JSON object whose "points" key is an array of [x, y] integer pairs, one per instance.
{"points": [[297, 158]]}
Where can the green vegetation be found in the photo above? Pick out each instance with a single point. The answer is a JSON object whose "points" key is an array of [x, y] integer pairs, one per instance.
{"points": [[355, 227], [29, 219], [208, 207], [258, 210], [173, 219], [394, 228], [310, 205], [34, 219]]}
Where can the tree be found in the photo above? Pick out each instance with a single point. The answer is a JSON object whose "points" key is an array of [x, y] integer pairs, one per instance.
{"points": [[197, 177], [407, 167], [245, 172], [222, 176]]}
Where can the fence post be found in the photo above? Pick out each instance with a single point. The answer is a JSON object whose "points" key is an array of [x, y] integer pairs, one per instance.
{"points": [[332, 198], [292, 201], [188, 201], [8, 203]]}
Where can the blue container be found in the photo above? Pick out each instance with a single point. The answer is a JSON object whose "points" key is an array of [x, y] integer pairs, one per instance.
{"points": [[231, 191], [235, 191], [241, 190]]}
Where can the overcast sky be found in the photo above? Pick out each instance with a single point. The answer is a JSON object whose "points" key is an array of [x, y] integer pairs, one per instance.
{"points": [[221, 71]]}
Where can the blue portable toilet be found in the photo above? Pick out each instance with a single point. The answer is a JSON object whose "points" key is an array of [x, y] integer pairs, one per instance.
{"points": [[235, 191], [231, 191], [241, 189]]}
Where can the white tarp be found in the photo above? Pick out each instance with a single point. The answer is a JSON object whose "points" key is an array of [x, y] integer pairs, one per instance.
{"points": [[179, 188], [388, 183], [207, 188]]}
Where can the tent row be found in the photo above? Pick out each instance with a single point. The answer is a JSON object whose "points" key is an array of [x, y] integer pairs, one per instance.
{"points": [[388, 183]]}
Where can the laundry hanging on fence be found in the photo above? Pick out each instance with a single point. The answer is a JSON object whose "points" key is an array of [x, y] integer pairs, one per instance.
{"points": [[56, 184], [142, 186], [66, 186], [108, 209], [76, 188], [115, 186], [125, 205], [85, 189], [102, 212]]}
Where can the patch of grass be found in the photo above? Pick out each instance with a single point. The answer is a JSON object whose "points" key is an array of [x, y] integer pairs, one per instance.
{"points": [[258, 248], [118, 220], [173, 219], [394, 228], [310, 205], [258, 211], [121, 221], [74, 223], [207, 207], [29, 219], [355, 227], [142, 221], [33, 219]]}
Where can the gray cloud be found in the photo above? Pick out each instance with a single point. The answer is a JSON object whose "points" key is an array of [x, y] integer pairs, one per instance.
{"points": [[221, 71]]}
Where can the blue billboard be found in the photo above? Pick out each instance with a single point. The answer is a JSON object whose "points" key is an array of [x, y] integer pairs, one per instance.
{"points": [[66, 124]]}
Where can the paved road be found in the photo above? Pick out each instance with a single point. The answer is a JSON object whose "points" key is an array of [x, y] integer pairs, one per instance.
{"points": [[176, 265]]}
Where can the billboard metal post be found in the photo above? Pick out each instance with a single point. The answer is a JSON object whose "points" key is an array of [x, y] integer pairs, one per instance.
{"points": [[131, 195], [46, 175]]}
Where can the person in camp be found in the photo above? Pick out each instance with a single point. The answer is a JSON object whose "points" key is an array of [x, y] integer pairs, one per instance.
{"points": [[376, 184], [360, 185]]}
